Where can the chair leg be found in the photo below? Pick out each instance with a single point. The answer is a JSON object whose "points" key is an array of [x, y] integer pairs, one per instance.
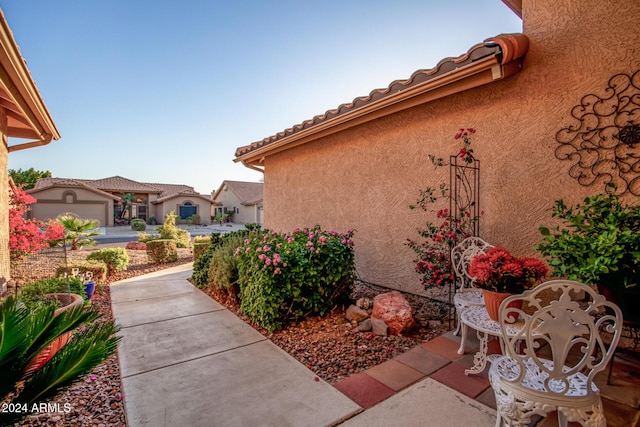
{"points": [[463, 338], [458, 328]]}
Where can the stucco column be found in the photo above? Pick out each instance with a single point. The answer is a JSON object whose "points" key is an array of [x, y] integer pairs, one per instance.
{"points": [[4, 204]]}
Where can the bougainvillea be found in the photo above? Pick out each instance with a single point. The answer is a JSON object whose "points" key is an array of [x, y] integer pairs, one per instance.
{"points": [[433, 261], [28, 236]]}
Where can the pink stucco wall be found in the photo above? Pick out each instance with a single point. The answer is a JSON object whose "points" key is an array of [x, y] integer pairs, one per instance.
{"points": [[366, 177]]}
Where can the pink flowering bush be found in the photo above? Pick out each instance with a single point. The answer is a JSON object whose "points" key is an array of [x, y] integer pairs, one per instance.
{"points": [[499, 271], [285, 276], [28, 236]]}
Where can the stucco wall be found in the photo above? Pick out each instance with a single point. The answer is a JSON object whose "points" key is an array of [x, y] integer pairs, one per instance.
{"points": [[366, 177], [4, 205], [230, 201], [173, 205], [83, 203]]}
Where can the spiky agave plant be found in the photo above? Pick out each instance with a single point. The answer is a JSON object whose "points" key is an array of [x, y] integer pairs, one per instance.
{"points": [[24, 334]]}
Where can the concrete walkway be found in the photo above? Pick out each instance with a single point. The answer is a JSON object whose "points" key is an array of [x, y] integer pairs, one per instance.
{"points": [[186, 360]]}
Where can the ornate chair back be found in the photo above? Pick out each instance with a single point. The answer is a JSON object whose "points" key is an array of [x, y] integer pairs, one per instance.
{"points": [[461, 256], [572, 330]]}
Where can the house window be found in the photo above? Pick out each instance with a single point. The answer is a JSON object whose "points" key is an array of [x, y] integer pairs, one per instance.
{"points": [[187, 209]]}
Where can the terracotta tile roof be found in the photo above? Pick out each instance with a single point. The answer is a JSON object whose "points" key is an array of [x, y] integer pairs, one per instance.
{"points": [[168, 189], [504, 48], [249, 193], [122, 185], [118, 184], [188, 192], [44, 183]]}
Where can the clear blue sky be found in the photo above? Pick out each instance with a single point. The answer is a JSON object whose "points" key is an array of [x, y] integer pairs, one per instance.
{"points": [[165, 91]]}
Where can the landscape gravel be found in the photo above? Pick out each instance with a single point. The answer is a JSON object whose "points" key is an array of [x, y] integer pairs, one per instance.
{"points": [[327, 345]]}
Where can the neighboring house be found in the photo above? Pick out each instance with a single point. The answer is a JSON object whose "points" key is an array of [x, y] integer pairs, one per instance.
{"points": [[101, 200], [549, 123], [244, 199], [24, 116]]}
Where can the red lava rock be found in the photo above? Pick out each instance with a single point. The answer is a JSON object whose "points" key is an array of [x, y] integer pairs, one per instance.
{"points": [[394, 309]]}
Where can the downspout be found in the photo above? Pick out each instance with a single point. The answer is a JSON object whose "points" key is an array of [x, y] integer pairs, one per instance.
{"points": [[47, 139]]}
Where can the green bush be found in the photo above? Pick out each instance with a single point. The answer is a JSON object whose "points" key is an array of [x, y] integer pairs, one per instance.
{"points": [[138, 224], [98, 269], [152, 220], [253, 226], [32, 295], [201, 263], [193, 219], [283, 276], [223, 269], [170, 231], [162, 251], [117, 259]]}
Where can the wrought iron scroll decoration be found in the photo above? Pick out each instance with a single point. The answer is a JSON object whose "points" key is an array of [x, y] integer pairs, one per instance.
{"points": [[464, 195], [604, 145]]}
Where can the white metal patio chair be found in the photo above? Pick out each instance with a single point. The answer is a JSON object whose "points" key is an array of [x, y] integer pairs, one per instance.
{"points": [[465, 294], [551, 363]]}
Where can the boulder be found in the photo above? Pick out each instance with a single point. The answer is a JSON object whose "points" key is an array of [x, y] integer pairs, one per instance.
{"points": [[364, 303], [378, 327], [356, 314], [394, 309]]}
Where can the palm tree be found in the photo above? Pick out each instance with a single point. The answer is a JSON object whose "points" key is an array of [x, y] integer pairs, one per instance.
{"points": [[24, 334], [80, 231]]}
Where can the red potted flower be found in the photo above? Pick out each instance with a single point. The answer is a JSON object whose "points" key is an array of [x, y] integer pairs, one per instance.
{"points": [[499, 274]]}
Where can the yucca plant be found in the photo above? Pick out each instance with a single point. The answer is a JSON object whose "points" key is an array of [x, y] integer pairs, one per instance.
{"points": [[79, 231], [24, 334]]}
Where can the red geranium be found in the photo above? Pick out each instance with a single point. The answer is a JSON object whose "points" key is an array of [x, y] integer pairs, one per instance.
{"points": [[499, 271]]}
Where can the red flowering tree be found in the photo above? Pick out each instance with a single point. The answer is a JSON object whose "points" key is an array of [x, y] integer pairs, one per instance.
{"points": [[28, 236], [433, 261]]}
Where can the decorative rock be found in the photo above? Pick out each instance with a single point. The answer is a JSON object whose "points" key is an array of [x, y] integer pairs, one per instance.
{"points": [[364, 326], [378, 327], [393, 308], [355, 313], [364, 303]]}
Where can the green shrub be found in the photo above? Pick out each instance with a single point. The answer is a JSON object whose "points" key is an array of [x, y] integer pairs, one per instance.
{"points": [[194, 219], [152, 220], [199, 249], [162, 251], [201, 263], [294, 275], [32, 295], [170, 231], [98, 269], [202, 239], [253, 226], [223, 269], [117, 259], [138, 224]]}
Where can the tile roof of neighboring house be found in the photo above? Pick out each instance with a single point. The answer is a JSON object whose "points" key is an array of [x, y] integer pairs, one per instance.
{"points": [[249, 193], [118, 184], [496, 58], [188, 192], [44, 183]]}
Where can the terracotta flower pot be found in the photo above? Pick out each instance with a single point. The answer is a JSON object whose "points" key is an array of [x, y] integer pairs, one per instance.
{"points": [[69, 302], [492, 301]]}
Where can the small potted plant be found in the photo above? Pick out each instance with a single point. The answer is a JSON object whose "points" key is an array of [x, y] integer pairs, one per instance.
{"points": [[598, 244], [499, 274]]}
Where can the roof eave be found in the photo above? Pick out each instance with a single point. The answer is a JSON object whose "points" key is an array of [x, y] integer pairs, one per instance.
{"points": [[21, 97], [480, 72]]}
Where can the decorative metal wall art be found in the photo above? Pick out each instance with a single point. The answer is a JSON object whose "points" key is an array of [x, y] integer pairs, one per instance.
{"points": [[604, 145]]}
